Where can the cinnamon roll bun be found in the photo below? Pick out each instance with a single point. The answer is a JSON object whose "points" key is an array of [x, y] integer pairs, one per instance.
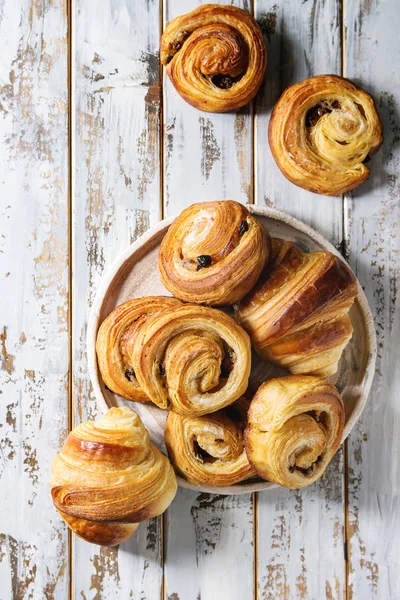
{"points": [[321, 132], [215, 57], [295, 427], [192, 359], [213, 253], [114, 342], [209, 450]]}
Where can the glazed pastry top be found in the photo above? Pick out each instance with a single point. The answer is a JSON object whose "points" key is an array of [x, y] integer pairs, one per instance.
{"points": [[296, 315], [192, 359], [321, 131], [115, 339], [108, 472], [295, 427], [209, 450], [213, 253], [215, 57]]}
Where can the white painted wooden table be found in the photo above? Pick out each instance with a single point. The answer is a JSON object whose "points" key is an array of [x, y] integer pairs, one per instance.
{"points": [[96, 147]]}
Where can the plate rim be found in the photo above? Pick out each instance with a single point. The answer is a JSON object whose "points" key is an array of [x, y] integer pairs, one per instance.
{"points": [[262, 211]]}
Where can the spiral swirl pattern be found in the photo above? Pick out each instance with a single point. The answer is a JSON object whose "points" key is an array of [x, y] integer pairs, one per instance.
{"points": [[295, 427], [321, 130], [213, 253], [115, 338], [108, 477], [209, 450], [215, 57], [192, 359]]}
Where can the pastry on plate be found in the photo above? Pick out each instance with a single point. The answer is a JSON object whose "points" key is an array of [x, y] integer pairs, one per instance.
{"points": [[108, 477], [192, 359], [114, 342], [213, 253], [296, 315], [215, 57], [209, 450], [321, 133], [295, 427]]}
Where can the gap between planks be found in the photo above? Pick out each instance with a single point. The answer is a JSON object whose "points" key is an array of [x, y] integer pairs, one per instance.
{"points": [[71, 189], [163, 591], [344, 252], [254, 496], [161, 135]]}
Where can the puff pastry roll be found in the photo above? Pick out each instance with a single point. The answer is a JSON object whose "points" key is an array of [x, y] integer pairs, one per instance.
{"points": [[114, 341], [215, 57], [209, 450], [213, 253], [295, 427], [192, 359], [108, 477], [321, 131], [296, 315]]}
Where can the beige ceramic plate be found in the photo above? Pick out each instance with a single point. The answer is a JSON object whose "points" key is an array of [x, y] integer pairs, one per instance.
{"points": [[135, 274]]}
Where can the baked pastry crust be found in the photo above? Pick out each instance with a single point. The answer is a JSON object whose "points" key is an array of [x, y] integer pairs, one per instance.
{"points": [[209, 450], [215, 57], [223, 236], [108, 477], [321, 131], [114, 342], [192, 359], [296, 315], [295, 427]]}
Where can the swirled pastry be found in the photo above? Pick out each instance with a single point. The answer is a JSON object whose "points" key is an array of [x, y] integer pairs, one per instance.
{"points": [[213, 253], [215, 57], [209, 450], [192, 359], [321, 131], [296, 315], [108, 477], [115, 337], [295, 427]]}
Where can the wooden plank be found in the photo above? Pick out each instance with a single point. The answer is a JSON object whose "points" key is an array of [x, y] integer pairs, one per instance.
{"points": [[34, 294], [209, 550], [117, 189], [206, 156], [303, 39], [372, 58], [300, 534]]}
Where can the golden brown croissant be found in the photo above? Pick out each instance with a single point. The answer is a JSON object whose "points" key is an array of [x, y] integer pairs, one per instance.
{"points": [[115, 337], [321, 131], [295, 427], [215, 57], [213, 253], [209, 450], [108, 477], [192, 359], [296, 315]]}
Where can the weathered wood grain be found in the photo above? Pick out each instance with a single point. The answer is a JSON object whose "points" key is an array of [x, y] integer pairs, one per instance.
{"points": [[293, 539], [34, 294], [117, 197], [209, 551], [372, 220], [300, 534], [303, 39]]}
